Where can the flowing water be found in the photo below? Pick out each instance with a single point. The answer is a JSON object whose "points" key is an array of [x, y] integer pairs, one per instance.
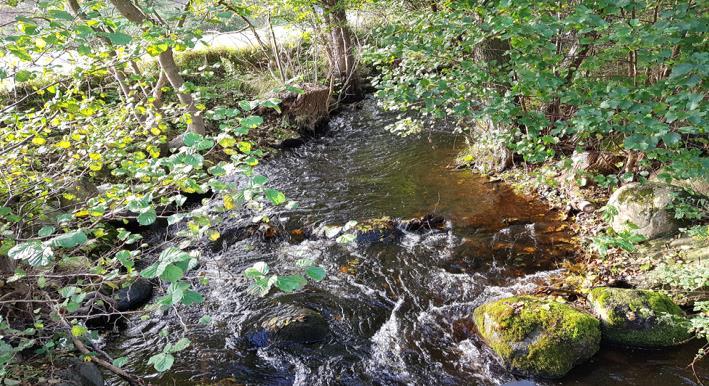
{"points": [[397, 311]]}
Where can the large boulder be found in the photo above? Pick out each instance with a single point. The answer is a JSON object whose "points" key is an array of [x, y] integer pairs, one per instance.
{"points": [[647, 207], [537, 337], [639, 318], [288, 324]]}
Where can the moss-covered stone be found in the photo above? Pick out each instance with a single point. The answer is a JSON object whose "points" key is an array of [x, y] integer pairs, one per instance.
{"points": [[639, 318], [537, 337]]}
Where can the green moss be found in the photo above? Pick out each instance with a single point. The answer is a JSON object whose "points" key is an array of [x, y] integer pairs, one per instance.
{"points": [[465, 157], [377, 224], [538, 337], [643, 194], [639, 317]]}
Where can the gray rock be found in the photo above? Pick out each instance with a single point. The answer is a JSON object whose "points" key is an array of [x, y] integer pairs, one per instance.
{"points": [[645, 206], [81, 374]]}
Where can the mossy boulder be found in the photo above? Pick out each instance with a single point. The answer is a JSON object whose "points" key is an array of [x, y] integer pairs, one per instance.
{"points": [[639, 318], [537, 337], [646, 206]]}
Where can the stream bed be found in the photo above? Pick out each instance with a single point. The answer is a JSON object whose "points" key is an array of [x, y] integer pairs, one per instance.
{"points": [[396, 311]]}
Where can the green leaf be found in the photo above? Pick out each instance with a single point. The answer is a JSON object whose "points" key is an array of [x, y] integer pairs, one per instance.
{"points": [[276, 197], [316, 273], [175, 218], [34, 252], [180, 345], [161, 362], [192, 297], [118, 38], [23, 76], [258, 269], [125, 258], [291, 283], [78, 330], [120, 361], [46, 230], [171, 273], [69, 240], [251, 122], [205, 319], [259, 180], [150, 272], [148, 217], [191, 138], [59, 14], [346, 238]]}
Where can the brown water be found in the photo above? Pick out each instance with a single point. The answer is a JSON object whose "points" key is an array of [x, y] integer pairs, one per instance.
{"points": [[397, 311]]}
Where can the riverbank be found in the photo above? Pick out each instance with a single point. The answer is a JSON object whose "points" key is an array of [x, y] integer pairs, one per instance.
{"points": [[669, 253]]}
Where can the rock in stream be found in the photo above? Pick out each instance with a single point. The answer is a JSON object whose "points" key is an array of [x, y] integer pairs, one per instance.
{"points": [[639, 318], [537, 337]]}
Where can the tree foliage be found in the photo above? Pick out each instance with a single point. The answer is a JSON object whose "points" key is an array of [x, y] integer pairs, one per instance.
{"points": [[625, 76]]}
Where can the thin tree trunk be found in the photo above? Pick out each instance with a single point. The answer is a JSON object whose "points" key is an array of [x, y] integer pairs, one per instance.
{"points": [[276, 51], [342, 60], [167, 63]]}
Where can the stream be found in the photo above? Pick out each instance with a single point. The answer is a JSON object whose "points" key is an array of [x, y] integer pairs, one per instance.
{"points": [[397, 310]]}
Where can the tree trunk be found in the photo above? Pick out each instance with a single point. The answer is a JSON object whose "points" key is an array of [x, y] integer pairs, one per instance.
{"points": [[167, 63], [172, 73], [343, 67]]}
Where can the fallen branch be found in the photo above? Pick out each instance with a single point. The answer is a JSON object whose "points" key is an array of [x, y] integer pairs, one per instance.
{"points": [[131, 379]]}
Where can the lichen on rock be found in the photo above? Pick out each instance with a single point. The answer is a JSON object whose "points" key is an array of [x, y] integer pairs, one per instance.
{"points": [[538, 337], [646, 207], [639, 318], [288, 324]]}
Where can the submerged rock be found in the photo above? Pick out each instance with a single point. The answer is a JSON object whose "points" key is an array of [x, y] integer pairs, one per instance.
{"points": [[288, 324], [639, 318], [380, 229], [537, 337], [134, 296], [425, 223], [647, 207]]}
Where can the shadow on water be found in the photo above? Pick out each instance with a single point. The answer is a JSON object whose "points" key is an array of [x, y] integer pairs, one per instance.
{"points": [[396, 311]]}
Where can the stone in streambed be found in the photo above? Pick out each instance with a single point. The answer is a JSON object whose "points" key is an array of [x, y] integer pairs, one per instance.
{"points": [[537, 337], [80, 373], [380, 229], [639, 318], [288, 324], [136, 295]]}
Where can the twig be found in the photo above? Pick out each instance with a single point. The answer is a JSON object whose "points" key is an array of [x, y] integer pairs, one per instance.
{"points": [[131, 379]]}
